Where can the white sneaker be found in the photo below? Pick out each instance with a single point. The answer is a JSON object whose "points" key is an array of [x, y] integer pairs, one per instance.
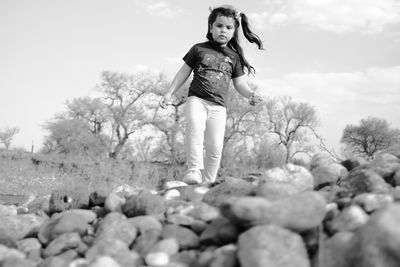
{"points": [[192, 177]]}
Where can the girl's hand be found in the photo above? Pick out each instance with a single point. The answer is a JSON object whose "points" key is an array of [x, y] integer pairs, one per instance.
{"points": [[165, 101], [255, 99]]}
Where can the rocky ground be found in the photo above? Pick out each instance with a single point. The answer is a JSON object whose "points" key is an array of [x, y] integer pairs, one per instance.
{"points": [[334, 215]]}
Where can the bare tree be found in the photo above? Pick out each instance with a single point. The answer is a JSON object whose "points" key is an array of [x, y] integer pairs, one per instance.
{"points": [[370, 136], [72, 136], [7, 135], [289, 121], [124, 96], [170, 123], [92, 110], [244, 126]]}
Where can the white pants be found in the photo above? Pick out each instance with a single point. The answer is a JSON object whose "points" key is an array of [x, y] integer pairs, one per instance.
{"points": [[205, 129]]}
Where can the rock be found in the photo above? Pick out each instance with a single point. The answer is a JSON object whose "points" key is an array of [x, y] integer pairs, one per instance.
{"points": [[204, 212], [396, 178], [6, 252], [385, 165], [21, 226], [8, 210], [31, 247], [97, 198], [172, 194], [114, 202], [350, 219], [186, 258], [273, 246], [293, 179], [115, 225], [364, 181], [229, 189], [180, 219], [40, 204], [173, 184], [146, 241], [18, 262], [7, 240], [343, 202], [275, 191], [45, 233], [88, 216], [144, 204], [321, 159], [169, 246], [62, 243], [352, 163], [157, 259], [298, 213], [334, 251], [328, 174], [79, 262], [104, 261], [55, 262], [73, 221], [69, 255], [116, 249], [108, 246], [65, 199], [219, 232], [76, 220], [276, 219], [371, 202], [186, 238], [377, 242], [192, 192], [225, 256], [145, 223], [333, 192], [332, 210]]}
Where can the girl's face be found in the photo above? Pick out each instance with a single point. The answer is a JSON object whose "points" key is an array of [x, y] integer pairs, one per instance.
{"points": [[222, 29]]}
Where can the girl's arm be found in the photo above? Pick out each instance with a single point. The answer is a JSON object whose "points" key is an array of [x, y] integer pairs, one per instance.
{"points": [[244, 89], [181, 76]]}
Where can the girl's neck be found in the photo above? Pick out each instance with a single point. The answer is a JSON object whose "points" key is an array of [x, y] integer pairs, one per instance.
{"points": [[214, 43]]}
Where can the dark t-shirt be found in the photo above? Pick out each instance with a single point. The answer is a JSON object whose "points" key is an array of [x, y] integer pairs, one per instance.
{"points": [[213, 68]]}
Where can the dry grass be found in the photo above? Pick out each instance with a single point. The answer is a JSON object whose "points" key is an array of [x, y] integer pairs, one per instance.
{"points": [[26, 173]]}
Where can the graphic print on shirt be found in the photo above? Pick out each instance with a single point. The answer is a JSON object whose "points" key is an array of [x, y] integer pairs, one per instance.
{"points": [[216, 69]]}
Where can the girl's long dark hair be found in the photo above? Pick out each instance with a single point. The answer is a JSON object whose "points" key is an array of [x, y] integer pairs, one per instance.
{"points": [[229, 11]]}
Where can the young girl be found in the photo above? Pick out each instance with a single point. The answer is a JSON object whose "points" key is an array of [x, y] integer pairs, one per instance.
{"points": [[214, 64]]}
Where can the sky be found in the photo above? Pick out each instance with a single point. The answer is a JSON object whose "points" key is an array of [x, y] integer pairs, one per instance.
{"points": [[340, 56]]}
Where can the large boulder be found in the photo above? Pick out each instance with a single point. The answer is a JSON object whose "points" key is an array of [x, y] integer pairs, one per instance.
{"points": [[298, 213], [385, 165], [284, 181], [328, 174], [228, 190], [116, 226], [65, 199], [21, 226], [272, 246], [144, 203], [364, 181], [377, 242]]}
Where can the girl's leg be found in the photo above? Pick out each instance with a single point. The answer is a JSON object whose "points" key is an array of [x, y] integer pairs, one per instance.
{"points": [[214, 140], [196, 115]]}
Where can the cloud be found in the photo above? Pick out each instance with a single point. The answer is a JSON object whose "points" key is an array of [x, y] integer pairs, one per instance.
{"points": [[342, 98], [161, 9], [370, 86], [339, 16]]}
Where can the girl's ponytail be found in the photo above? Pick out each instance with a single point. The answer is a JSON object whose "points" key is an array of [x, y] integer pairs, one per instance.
{"points": [[250, 36]]}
